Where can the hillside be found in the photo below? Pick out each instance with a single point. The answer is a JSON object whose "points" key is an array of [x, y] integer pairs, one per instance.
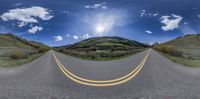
{"points": [[103, 48], [189, 45], [12, 45], [107, 43], [184, 50]]}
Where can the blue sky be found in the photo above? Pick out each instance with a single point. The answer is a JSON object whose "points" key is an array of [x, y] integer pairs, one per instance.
{"points": [[61, 22]]}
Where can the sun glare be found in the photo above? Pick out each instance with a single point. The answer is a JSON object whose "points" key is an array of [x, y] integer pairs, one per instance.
{"points": [[100, 29]]}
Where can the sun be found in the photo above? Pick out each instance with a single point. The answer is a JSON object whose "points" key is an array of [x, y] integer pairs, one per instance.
{"points": [[100, 29]]}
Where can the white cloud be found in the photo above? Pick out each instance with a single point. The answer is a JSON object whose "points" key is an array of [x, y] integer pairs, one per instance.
{"points": [[35, 29], [155, 14], [68, 35], [95, 6], [58, 38], [149, 32], [75, 37], [21, 24], [27, 15], [144, 13], [86, 36], [199, 15], [170, 22]]}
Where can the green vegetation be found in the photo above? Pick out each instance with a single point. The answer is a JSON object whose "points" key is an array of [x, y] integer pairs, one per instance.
{"points": [[102, 55], [16, 62], [103, 48], [169, 50], [184, 50], [18, 55], [43, 49], [15, 50], [184, 61]]}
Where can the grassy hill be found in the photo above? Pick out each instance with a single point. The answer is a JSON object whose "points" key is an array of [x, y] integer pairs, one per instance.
{"points": [[14, 49], [187, 47], [103, 48]]}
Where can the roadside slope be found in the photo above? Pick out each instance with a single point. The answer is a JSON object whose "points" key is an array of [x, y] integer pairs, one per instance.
{"points": [[15, 50], [184, 50]]}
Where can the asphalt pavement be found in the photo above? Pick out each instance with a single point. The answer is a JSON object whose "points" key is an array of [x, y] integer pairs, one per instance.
{"points": [[156, 78]]}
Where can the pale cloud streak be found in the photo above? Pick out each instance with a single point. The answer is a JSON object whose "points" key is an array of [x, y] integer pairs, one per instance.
{"points": [[96, 6], [149, 32], [75, 37], [186, 29]]}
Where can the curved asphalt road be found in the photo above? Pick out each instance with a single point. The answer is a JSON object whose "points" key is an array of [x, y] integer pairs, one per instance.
{"points": [[158, 79]]}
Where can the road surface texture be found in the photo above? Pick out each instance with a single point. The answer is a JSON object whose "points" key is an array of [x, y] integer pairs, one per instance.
{"points": [[159, 78]]}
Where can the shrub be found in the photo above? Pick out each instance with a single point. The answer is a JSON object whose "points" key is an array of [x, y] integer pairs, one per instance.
{"points": [[169, 50], [18, 55], [42, 49], [61, 50], [91, 49]]}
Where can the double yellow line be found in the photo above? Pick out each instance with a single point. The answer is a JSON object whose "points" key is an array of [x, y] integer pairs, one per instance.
{"points": [[101, 83]]}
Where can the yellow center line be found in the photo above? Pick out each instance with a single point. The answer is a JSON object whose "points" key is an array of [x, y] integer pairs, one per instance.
{"points": [[117, 81]]}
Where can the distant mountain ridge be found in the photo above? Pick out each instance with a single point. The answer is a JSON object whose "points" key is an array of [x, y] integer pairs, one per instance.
{"points": [[103, 48], [106, 43]]}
